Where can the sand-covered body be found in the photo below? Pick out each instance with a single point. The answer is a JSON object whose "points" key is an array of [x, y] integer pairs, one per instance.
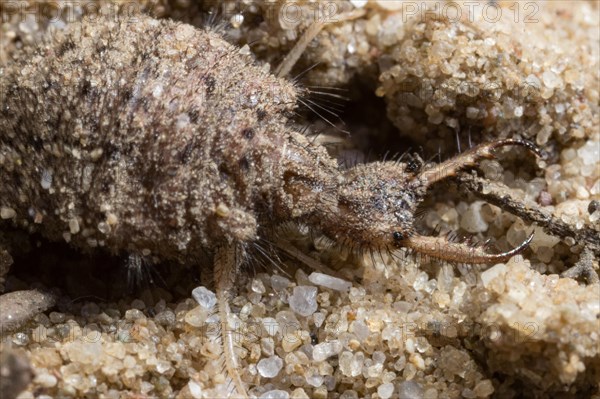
{"points": [[141, 135]]}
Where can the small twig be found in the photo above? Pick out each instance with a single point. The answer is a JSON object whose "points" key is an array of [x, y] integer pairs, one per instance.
{"points": [[497, 194], [583, 268]]}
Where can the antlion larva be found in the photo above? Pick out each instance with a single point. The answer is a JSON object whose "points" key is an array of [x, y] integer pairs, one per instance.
{"points": [[152, 137]]}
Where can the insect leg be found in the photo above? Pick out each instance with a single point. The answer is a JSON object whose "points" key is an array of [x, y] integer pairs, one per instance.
{"points": [[470, 158], [294, 55], [441, 248], [226, 266], [300, 256]]}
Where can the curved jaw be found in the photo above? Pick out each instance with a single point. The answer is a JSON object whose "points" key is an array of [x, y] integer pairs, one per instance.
{"points": [[469, 158], [441, 248]]}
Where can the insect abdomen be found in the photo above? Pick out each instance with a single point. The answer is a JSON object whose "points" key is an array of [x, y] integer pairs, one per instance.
{"points": [[140, 135]]}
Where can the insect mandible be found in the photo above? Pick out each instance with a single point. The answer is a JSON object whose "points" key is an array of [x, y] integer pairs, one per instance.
{"points": [[154, 137]]}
